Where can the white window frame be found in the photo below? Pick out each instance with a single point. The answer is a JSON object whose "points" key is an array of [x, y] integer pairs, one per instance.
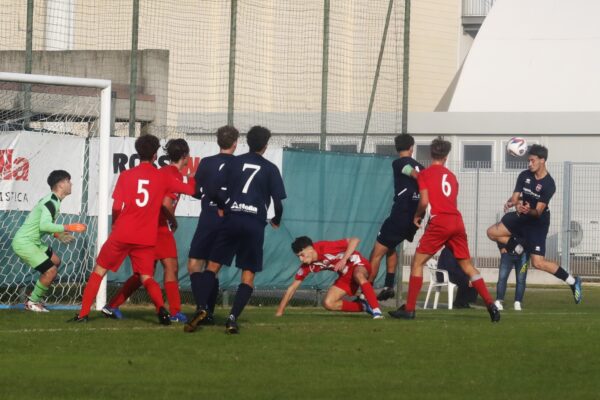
{"points": [[478, 142]]}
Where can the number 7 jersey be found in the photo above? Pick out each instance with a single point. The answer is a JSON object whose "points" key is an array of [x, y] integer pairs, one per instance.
{"points": [[442, 189]]}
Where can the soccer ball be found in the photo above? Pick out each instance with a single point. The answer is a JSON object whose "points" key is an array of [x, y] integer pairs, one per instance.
{"points": [[517, 147]]}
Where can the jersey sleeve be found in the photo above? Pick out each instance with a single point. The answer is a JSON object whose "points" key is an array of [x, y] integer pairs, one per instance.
{"points": [[177, 186], [547, 193], [47, 221], [276, 184], [302, 272], [118, 194], [520, 183], [422, 181]]}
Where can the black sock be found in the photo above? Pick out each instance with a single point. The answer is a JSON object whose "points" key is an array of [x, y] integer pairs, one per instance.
{"points": [[195, 279], [561, 274], [212, 299], [204, 288], [389, 279], [241, 299]]}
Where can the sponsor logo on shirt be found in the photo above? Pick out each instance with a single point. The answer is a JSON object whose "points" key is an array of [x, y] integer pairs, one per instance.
{"points": [[538, 187], [527, 180], [244, 208]]}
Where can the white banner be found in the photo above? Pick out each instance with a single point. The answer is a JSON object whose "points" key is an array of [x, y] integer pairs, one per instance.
{"points": [[123, 156], [26, 160]]}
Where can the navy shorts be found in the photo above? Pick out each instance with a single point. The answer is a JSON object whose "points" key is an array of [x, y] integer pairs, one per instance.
{"points": [[533, 230], [205, 235], [241, 236], [395, 229]]}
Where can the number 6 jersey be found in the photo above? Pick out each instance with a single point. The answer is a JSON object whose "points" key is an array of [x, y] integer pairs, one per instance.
{"points": [[442, 189]]}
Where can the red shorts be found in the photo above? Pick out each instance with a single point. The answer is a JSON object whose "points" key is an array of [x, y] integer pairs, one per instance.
{"points": [[165, 244], [346, 281], [114, 252], [446, 230]]}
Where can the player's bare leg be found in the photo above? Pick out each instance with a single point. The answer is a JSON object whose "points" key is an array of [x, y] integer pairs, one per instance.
{"points": [[498, 233], [391, 260], [360, 276], [414, 287], [479, 284], [540, 262], [334, 301]]}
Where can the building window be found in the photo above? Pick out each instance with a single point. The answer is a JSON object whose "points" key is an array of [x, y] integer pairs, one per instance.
{"points": [[513, 162], [386, 149], [305, 145], [343, 148], [477, 156], [421, 154]]}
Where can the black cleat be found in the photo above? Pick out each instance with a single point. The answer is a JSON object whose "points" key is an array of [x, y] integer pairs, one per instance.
{"points": [[231, 326], [209, 320], [401, 313], [386, 293], [195, 321], [494, 312], [164, 318], [77, 318]]}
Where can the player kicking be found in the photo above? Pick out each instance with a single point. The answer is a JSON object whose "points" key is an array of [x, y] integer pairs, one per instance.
{"points": [[251, 182], [399, 225], [209, 221], [138, 198], [352, 268], [527, 227], [27, 243], [438, 186], [178, 152]]}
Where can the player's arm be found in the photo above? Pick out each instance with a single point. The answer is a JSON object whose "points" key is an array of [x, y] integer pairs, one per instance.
{"points": [[47, 224], [168, 211], [177, 186], [422, 207], [525, 209], [278, 206], [352, 245], [410, 171], [289, 293], [116, 210], [512, 201]]}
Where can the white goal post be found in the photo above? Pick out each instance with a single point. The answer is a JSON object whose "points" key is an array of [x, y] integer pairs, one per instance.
{"points": [[103, 144]]}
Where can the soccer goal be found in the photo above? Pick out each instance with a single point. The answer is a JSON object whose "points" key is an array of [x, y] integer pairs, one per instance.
{"points": [[49, 123]]}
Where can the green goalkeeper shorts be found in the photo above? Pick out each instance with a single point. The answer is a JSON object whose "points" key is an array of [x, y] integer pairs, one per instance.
{"points": [[32, 254]]}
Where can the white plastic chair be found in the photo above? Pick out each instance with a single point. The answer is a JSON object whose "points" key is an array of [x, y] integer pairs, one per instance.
{"points": [[433, 283]]}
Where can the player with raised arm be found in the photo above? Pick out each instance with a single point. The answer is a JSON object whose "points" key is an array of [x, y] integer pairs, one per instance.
{"points": [[399, 225], [339, 256], [178, 152], [439, 188], [526, 228], [209, 221], [41, 220], [251, 182], [138, 198]]}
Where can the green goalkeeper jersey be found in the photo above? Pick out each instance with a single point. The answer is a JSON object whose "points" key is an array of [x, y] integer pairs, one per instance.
{"points": [[40, 221]]}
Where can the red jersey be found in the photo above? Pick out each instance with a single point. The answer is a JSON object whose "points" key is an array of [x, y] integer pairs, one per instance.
{"points": [[139, 194], [442, 188], [328, 253], [172, 172]]}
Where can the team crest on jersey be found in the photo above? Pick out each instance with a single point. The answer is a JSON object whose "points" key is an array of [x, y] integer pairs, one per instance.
{"points": [[538, 187]]}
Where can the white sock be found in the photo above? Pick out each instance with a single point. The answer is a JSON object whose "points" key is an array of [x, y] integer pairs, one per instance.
{"points": [[570, 280], [376, 311]]}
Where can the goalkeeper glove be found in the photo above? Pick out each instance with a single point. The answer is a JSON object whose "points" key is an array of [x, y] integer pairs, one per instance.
{"points": [[64, 237], [75, 227]]}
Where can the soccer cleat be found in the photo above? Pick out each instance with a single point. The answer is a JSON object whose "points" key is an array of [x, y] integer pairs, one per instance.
{"points": [[494, 312], [35, 306], [209, 320], [231, 326], [77, 318], [518, 306], [192, 324], [576, 288], [498, 304], [402, 313], [377, 315], [164, 318], [112, 312], [386, 294], [365, 305], [179, 317]]}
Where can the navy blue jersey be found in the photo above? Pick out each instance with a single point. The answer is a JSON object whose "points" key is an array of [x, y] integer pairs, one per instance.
{"points": [[406, 189], [251, 182], [533, 190], [207, 179]]}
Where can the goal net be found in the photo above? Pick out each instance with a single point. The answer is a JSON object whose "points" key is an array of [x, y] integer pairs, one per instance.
{"points": [[49, 123]]}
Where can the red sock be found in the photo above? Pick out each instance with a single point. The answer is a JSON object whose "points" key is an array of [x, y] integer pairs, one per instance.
{"points": [[479, 284], [154, 292], [351, 306], [370, 295], [89, 294], [414, 288], [172, 290], [131, 285]]}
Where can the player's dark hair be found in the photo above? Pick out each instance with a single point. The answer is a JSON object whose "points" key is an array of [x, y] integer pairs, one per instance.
{"points": [[147, 146], [539, 151], [403, 142], [176, 149], [439, 148], [258, 137], [226, 136], [301, 243], [57, 176]]}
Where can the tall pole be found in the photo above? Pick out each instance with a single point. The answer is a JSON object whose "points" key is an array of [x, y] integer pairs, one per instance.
{"points": [[324, 73], [376, 79], [232, 44], [135, 19], [28, 64], [405, 65]]}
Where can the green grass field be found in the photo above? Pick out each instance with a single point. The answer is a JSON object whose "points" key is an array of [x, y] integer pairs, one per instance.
{"points": [[551, 350]]}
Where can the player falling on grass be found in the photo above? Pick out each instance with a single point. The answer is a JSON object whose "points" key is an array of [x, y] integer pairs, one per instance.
{"points": [[353, 270], [399, 225], [209, 221], [27, 243], [138, 197], [251, 182], [178, 152], [526, 228], [439, 188]]}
